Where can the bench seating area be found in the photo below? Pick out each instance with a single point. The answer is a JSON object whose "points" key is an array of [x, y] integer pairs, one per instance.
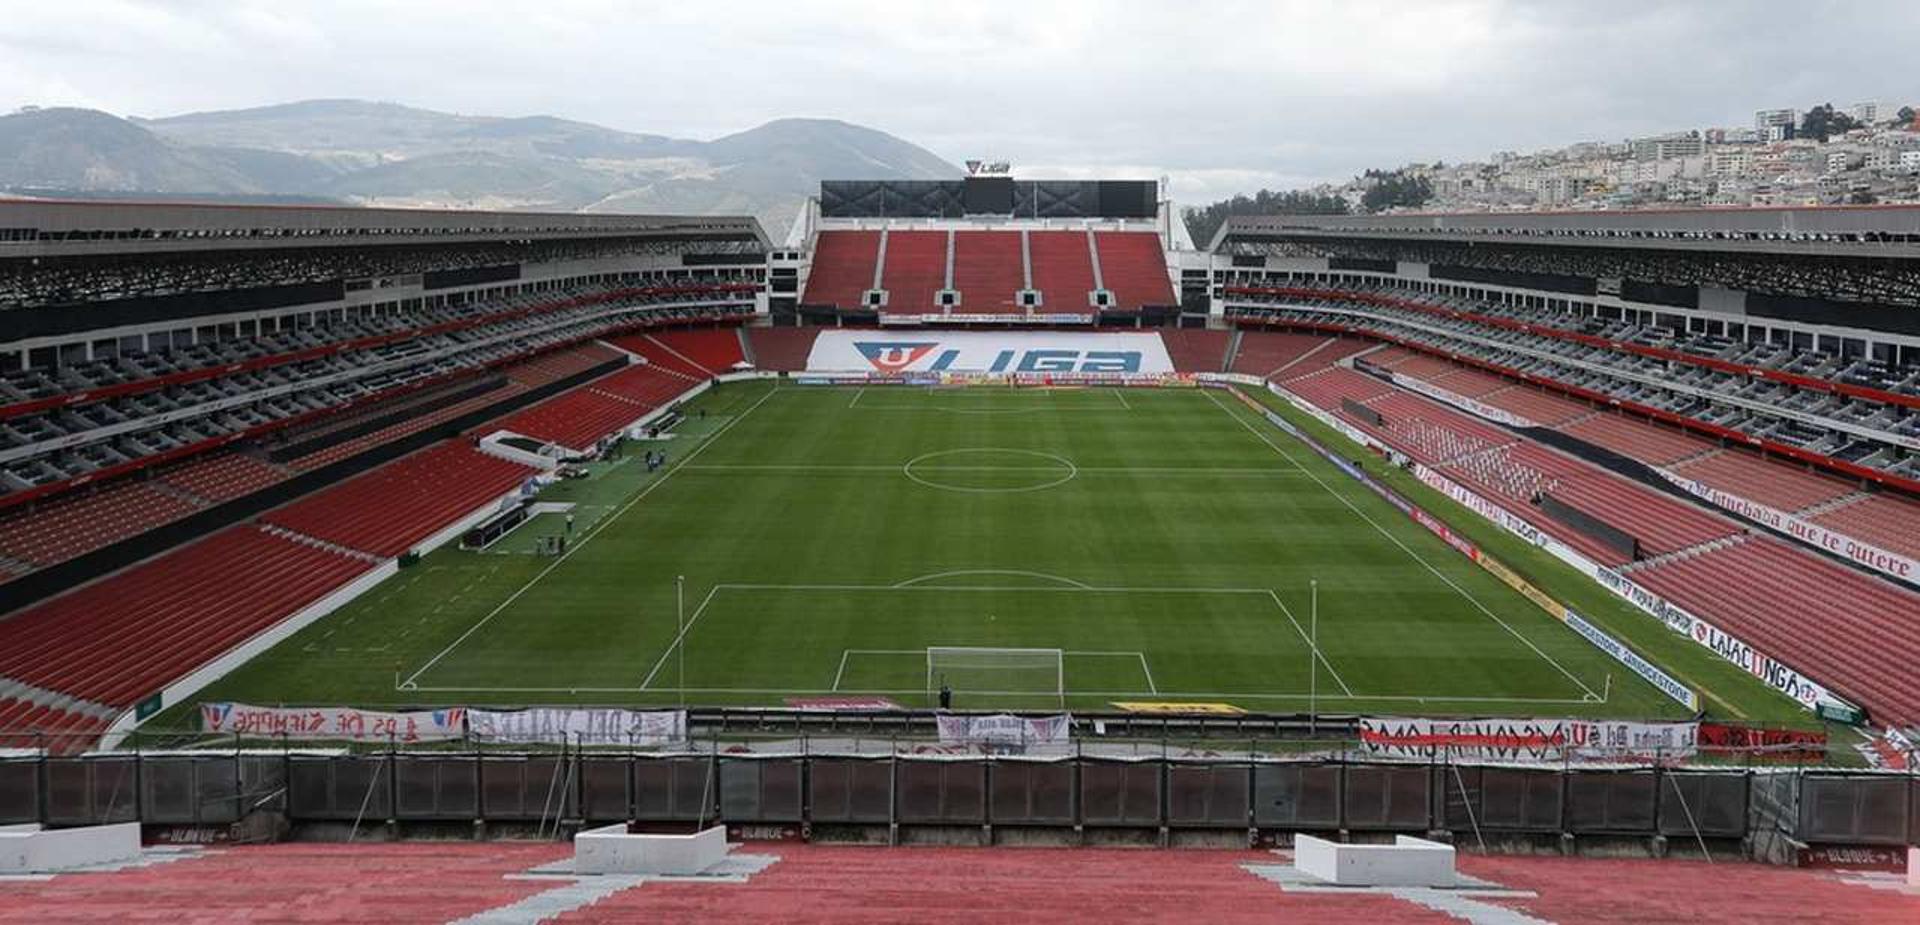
{"points": [[1854, 632], [387, 511], [120, 639]]}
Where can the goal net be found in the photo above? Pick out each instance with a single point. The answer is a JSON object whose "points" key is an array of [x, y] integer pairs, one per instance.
{"points": [[992, 671]]}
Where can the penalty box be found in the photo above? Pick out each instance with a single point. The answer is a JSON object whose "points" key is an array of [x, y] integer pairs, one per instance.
{"points": [[855, 638]]}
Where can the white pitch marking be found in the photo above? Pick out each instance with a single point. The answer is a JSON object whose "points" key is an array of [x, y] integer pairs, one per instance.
{"points": [[1404, 548], [990, 571], [1123, 399], [857, 395], [588, 537], [680, 636]]}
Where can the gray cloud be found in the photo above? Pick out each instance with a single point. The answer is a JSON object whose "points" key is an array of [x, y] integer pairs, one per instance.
{"points": [[1222, 97]]}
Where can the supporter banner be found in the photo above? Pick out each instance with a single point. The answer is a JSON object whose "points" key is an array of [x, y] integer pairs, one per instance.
{"points": [[1786, 746], [987, 351], [1004, 729], [331, 723], [1804, 690], [1178, 708], [579, 726], [1497, 415], [836, 704], [1528, 739], [1806, 531]]}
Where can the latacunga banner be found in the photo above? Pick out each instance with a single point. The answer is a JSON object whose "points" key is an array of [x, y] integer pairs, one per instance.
{"points": [[575, 726], [340, 723], [1005, 729], [1528, 739]]}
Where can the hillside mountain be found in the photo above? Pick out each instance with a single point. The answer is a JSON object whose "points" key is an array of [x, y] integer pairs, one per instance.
{"points": [[387, 154]]}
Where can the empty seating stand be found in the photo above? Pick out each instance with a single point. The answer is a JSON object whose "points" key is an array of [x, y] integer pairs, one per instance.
{"points": [[915, 271], [842, 269], [1650, 443], [988, 271], [575, 419], [559, 364], [387, 511], [223, 476], [1062, 269], [713, 350], [1196, 351], [55, 531], [1133, 266], [781, 349], [1271, 353], [1775, 484], [1889, 522], [1855, 632], [118, 640]]}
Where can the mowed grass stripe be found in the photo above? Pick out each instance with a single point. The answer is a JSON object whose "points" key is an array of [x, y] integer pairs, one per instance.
{"points": [[806, 490]]}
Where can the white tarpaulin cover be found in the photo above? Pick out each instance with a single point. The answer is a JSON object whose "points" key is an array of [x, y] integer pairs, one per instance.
{"points": [[987, 351]]}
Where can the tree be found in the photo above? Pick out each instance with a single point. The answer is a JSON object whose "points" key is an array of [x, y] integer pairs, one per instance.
{"points": [[1395, 189], [1824, 121], [1204, 221], [1905, 115]]}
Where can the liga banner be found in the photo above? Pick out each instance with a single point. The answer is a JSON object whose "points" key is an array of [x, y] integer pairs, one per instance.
{"points": [[579, 726], [1004, 729], [1528, 739], [895, 352], [342, 723]]}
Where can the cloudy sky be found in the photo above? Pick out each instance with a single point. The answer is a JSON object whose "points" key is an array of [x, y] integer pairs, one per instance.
{"points": [[1220, 96]]}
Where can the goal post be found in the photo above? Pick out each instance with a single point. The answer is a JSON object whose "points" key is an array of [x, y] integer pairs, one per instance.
{"points": [[998, 671]]}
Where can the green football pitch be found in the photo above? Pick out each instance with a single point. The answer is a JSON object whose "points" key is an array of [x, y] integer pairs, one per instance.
{"points": [[1152, 544]]}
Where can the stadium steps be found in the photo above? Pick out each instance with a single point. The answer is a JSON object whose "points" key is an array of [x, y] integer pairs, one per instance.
{"points": [[1233, 350], [1686, 553], [1832, 504], [319, 543], [1781, 486], [21, 691], [746, 347]]}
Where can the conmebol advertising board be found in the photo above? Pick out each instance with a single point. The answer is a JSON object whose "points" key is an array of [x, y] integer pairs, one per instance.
{"points": [[896, 352]]}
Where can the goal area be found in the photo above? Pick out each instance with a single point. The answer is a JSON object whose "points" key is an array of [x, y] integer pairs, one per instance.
{"points": [[996, 671]]}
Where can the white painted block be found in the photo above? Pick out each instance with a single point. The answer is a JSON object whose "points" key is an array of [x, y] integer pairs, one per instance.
{"points": [[32, 849], [1408, 861], [612, 850]]}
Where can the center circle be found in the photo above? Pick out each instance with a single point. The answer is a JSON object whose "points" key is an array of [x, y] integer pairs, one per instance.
{"points": [[975, 471]]}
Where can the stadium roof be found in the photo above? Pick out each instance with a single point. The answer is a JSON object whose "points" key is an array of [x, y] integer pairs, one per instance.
{"points": [[1890, 231], [35, 227]]}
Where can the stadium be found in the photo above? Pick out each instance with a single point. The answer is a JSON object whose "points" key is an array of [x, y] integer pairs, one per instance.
{"points": [[964, 514]]}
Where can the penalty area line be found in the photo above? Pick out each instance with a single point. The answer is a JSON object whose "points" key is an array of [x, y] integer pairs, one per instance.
{"points": [[1344, 500], [413, 680]]}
